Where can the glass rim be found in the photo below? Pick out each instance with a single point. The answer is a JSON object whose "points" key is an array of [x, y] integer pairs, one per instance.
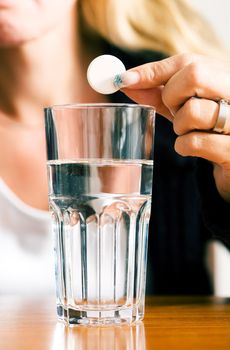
{"points": [[98, 106]]}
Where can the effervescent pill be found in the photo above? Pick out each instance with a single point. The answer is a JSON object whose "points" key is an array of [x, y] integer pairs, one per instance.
{"points": [[102, 73]]}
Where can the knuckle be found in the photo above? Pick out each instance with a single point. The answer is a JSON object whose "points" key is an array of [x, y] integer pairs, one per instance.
{"points": [[189, 144], [150, 71], [196, 74], [159, 70], [194, 143], [188, 58]]}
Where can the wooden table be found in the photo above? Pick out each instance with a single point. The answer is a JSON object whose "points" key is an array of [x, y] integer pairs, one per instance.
{"points": [[170, 323]]}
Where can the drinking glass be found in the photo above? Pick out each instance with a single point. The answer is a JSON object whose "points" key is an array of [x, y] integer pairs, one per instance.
{"points": [[100, 164]]}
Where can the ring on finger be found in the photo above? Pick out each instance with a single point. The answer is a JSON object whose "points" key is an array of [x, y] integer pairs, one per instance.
{"points": [[222, 116]]}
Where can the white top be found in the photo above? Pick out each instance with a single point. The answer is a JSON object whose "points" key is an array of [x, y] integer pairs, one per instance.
{"points": [[26, 247]]}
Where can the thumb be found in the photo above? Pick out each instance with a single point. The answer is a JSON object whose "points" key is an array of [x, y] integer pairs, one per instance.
{"points": [[152, 97]]}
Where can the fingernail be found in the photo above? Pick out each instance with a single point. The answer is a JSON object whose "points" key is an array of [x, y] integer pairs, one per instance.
{"points": [[126, 79]]}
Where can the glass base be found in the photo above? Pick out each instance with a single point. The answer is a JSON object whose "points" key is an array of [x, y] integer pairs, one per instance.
{"points": [[76, 317]]}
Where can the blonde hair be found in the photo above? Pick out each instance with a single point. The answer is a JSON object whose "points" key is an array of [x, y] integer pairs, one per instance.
{"points": [[169, 26]]}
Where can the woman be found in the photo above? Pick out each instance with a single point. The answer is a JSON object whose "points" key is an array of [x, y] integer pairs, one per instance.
{"points": [[45, 48]]}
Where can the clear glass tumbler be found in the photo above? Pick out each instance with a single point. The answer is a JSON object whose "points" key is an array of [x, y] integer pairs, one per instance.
{"points": [[100, 164]]}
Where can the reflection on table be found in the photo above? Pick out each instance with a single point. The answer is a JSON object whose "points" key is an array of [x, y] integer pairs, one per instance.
{"points": [[99, 338]]}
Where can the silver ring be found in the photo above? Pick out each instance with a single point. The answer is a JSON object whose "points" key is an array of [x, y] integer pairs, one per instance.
{"points": [[222, 116]]}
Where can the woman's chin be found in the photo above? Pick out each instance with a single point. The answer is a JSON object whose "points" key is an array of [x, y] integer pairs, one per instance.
{"points": [[12, 37], [13, 42]]}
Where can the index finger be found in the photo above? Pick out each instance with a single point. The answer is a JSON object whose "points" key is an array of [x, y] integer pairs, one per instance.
{"points": [[154, 74]]}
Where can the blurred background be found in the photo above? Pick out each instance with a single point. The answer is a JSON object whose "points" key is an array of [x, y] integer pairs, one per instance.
{"points": [[217, 12]]}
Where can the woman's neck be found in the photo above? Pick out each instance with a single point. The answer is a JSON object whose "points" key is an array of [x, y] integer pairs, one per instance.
{"points": [[42, 72]]}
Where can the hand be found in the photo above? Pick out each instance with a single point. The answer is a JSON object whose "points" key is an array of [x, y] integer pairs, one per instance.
{"points": [[186, 89]]}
